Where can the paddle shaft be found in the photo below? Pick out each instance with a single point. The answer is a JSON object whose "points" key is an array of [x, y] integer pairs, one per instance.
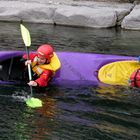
{"points": [[29, 69]]}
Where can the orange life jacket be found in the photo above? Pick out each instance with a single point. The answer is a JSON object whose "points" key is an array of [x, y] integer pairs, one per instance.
{"points": [[53, 66]]}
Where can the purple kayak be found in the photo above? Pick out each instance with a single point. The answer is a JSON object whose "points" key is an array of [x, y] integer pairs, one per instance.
{"points": [[76, 68]]}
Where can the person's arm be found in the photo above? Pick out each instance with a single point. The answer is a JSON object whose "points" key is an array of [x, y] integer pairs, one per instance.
{"points": [[42, 81], [31, 56]]}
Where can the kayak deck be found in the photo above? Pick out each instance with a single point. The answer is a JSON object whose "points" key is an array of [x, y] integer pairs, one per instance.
{"points": [[117, 73]]}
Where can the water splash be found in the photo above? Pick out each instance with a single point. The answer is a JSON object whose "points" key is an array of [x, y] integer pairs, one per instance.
{"points": [[21, 96]]}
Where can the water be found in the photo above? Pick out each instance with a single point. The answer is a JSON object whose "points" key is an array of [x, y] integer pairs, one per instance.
{"points": [[79, 113]]}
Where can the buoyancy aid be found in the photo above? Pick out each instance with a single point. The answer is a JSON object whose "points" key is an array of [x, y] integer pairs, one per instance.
{"points": [[53, 66], [135, 79]]}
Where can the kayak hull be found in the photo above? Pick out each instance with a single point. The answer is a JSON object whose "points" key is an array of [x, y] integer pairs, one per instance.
{"points": [[76, 68]]}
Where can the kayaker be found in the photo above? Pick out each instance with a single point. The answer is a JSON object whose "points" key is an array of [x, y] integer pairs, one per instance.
{"points": [[44, 63], [134, 80]]}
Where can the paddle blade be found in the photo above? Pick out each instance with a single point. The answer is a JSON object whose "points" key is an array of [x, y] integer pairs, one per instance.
{"points": [[34, 102], [25, 35]]}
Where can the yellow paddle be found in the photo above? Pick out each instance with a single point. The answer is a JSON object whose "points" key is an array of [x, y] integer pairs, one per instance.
{"points": [[31, 101]]}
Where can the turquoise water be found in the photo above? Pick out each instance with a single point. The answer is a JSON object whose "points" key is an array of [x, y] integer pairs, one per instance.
{"points": [[71, 113]]}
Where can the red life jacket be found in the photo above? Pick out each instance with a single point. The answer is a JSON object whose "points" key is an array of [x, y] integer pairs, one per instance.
{"points": [[135, 79]]}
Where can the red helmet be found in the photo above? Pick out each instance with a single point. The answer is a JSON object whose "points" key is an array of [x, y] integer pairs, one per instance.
{"points": [[45, 51]]}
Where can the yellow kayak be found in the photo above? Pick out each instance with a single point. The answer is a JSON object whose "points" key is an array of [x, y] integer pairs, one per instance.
{"points": [[117, 73]]}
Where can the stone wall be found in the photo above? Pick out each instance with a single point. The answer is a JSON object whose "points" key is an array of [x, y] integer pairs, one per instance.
{"points": [[73, 13], [122, 1]]}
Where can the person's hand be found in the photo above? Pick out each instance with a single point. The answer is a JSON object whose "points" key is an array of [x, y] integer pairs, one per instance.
{"points": [[32, 83], [27, 62]]}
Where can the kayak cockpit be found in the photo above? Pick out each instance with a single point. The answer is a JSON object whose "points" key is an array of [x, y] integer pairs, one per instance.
{"points": [[12, 69]]}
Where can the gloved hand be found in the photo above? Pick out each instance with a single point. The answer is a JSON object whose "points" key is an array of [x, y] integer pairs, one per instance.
{"points": [[27, 62], [32, 83], [139, 59]]}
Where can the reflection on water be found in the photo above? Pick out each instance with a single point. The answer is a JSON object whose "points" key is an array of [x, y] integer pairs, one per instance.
{"points": [[72, 113]]}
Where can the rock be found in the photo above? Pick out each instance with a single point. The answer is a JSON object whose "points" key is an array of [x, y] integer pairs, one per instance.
{"points": [[85, 16], [29, 12], [72, 12], [132, 21]]}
